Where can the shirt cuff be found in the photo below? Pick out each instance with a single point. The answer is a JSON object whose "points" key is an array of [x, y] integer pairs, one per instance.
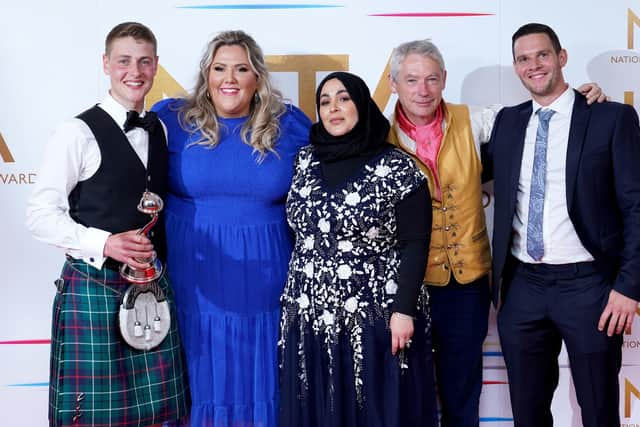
{"points": [[92, 243]]}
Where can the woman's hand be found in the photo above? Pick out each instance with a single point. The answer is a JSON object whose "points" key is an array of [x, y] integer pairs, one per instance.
{"points": [[401, 326]]}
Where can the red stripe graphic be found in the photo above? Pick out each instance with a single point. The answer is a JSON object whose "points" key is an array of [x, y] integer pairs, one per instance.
{"points": [[26, 342], [431, 14]]}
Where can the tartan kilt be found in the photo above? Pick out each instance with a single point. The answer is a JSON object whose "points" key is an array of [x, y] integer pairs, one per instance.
{"points": [[96, 379]]}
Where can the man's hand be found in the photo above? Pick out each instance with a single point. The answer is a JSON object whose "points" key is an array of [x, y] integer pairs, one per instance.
{"points": [[593, 92], [401, 326], [126, 247], [619, 312]]}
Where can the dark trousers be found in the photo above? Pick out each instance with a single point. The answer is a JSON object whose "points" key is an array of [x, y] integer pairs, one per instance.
{"points": [[545, 305], [460, 316]]}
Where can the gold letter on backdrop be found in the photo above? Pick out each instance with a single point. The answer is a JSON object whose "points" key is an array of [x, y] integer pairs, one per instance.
{"points": [[307, 66], [164, 84], [632, 22], [629, 389], [383, 90], [4, 151]]}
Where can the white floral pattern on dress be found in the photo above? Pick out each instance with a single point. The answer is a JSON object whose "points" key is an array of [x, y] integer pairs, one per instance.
{"points": [[344, 272], [351, 305], [303, 301], [308, 242], [382, 170], [352, 199], [324, 225], [345, 246], [391, 287], [305, 191]]}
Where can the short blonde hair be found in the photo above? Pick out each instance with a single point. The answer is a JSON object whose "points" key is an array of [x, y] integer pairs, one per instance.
{"points": [[130, 29]]}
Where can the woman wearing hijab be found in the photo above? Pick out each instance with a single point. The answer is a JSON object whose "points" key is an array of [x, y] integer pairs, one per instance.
{"points": [[355, 342]]}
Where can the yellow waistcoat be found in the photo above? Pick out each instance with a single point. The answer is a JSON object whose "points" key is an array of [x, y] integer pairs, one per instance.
{"points": [[459, 240]]}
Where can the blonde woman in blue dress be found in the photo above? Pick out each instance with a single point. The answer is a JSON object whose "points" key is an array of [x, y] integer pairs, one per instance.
{"points": [[231, 149]]}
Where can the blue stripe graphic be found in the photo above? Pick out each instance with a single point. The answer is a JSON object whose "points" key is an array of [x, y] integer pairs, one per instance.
{"points": [[259, 6], [29, 385], [492, 353]]}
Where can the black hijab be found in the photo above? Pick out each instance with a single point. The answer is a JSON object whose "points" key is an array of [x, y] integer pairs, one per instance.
{"points": [[369, 135]]}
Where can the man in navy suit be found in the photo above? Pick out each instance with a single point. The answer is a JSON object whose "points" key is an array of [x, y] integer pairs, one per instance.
{"points": [[566, 243]]}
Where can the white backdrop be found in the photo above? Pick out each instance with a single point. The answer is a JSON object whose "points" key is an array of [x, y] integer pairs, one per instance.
{"points": [[50, 70]]}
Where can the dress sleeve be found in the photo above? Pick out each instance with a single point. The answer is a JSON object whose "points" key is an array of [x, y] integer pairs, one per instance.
{"points": [[413, 216], [295, 127], [161, 107], [167, 111]]}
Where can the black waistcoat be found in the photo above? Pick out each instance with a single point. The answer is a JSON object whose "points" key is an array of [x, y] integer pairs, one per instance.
{"points": [[108, 199]]}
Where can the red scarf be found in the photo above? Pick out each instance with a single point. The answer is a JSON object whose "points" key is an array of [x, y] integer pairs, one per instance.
{"points": [[428, 139]]}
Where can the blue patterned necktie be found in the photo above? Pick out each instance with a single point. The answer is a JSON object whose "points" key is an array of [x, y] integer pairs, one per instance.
{"points": [[535, 243]]}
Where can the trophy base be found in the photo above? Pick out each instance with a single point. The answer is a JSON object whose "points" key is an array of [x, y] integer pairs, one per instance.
{"points": [[139, 276]]}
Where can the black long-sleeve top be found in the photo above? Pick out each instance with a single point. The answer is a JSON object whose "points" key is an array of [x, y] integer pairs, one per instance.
{"points": [[413, 218]]}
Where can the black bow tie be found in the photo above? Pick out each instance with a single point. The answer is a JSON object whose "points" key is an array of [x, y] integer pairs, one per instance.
{"points": [[134, 120]]}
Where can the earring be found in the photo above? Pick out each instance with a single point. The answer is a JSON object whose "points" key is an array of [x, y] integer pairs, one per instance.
{"points": [[256, 98], [208, 96]]}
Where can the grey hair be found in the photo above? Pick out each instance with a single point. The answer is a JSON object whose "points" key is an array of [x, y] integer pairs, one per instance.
{"points": [[420, 47]]}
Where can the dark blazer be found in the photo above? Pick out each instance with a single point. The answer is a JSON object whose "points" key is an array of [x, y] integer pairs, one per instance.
{"points": [[603, 187]]}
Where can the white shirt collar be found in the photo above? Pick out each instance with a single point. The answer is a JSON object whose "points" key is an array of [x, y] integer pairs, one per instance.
{"points": [[116, 110], [562, 104], [113, 108]]}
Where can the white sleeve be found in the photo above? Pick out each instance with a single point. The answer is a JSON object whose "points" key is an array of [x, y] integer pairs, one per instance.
{"points": [[64, 164], [482, 119]]}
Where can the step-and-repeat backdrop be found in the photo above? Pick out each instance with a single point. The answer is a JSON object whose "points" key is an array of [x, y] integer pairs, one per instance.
{"points": [[50, 70]]}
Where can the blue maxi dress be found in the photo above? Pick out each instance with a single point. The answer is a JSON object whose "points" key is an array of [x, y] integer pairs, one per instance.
{"points": [[228, 250]]}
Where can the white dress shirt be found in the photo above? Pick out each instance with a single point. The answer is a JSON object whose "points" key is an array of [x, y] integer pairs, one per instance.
{"points": [[70, 156], [561, 242]]}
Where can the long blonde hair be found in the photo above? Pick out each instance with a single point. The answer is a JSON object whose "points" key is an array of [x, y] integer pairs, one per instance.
{"points": [[199, 113]]}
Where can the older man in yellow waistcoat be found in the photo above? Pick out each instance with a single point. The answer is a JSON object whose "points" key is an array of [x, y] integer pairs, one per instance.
{"points": [[444, 139]]}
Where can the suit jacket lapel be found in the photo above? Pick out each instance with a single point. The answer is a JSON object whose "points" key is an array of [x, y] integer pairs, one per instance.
{"points": [[516, 150], [579, 122]]}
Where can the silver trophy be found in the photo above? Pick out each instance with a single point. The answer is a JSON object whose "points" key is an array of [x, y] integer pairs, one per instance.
{"points": [[145, 318], [151, 204]]}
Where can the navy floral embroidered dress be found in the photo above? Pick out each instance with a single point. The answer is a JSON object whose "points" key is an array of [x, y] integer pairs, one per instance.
{"points": [[335, 348]]}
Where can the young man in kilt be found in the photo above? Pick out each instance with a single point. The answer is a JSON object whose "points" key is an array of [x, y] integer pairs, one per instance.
{"points": [[96, 167]]}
